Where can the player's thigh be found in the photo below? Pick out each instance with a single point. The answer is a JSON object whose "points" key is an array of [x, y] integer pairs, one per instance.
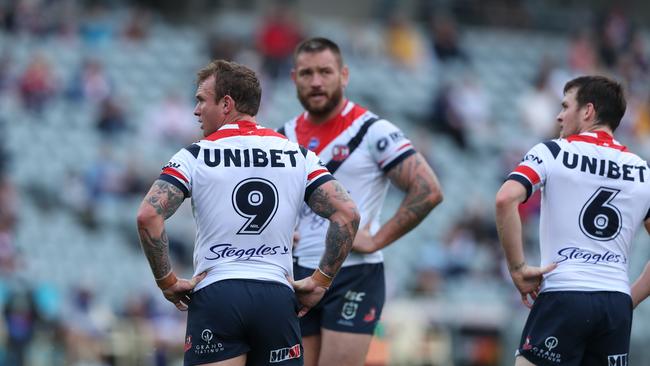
{"points": [[558, 328], [343, 349], [311, 347], [237, 361], [273, 329], [215, 332], [355, 301], [612, 343], [521, 361]]}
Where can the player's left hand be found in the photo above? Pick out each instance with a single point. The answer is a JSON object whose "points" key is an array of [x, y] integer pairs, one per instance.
{"points": [[179, 293], [308, 292], [528, 280], [363, 242]]}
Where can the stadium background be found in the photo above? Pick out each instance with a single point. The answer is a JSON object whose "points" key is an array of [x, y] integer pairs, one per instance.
{"points": [[95, 96]]}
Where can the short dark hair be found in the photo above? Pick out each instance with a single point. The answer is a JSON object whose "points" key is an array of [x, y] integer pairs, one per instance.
{"points": [[235, 80], [318, 44], [605, 94]]}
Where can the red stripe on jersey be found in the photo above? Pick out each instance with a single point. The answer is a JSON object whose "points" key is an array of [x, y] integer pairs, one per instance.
{"points": [[175, 173], [246, 128], [529, 173], [316, 173], [602, 139], [408, 144], [324, 133]]}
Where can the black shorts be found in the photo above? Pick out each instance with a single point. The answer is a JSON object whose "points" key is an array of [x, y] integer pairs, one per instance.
{"points": [[353, 303], [578, 328], [232, 317]]}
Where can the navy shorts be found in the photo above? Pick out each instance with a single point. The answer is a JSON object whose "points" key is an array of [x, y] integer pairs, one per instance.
{"points": [[578, 328], [232, 317], [353, 303]]}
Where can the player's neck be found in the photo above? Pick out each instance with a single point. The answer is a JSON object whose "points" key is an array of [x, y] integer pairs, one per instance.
{"points": [[602, 128], [240, 117], [326, 117]]}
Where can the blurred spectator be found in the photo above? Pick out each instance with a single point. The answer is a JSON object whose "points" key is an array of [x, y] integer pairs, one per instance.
{"points": [[96, 27], [582, 57], [538, 107], [37, 85], [472, 105], [444, 118], [8, 219], [21, 319], [220, 47], [444, 38], [112, 119], [276, 39], [90, 83], [403, 43], [87, 323], [6, 76], [614, 35], [171, 122], [137, 25]]}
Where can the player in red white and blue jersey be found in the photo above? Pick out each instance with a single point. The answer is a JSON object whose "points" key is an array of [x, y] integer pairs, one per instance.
{"points": [[247, 185], [595, 196], [365, 153]]}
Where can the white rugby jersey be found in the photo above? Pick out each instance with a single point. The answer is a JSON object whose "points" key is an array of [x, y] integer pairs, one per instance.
{"points": [[247, 185], [358, 148], [595, 194]]}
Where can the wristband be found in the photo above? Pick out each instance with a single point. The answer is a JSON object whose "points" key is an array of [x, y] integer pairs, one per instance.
{"points": [[167, 281], [322, 279]]}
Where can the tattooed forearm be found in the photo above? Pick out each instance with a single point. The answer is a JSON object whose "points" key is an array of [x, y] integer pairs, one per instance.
{"points": [[337, 245], [156, 249], [165, 198]]}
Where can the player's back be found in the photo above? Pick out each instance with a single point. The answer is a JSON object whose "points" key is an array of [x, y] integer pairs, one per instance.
{"points": [[595, 196], [247, 185]]}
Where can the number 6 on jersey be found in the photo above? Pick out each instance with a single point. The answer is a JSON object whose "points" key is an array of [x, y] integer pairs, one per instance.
{"points": [[255, 199], [599, 219]]}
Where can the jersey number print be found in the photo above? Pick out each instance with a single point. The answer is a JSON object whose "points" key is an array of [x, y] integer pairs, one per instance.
{"points": [[256, 200], [599, 218]]}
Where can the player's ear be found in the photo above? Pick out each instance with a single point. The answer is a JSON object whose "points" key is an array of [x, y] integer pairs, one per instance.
{"points": [[589, 111], [345, 75], [293, 74], [228, 104]]}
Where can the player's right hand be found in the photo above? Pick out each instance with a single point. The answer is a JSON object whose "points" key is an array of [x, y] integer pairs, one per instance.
{"points": [[528, 280], [179, 293], [308, 292]]}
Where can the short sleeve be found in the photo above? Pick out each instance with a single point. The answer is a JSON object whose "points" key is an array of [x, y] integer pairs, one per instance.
{"points": [[534, 168], [178, 171], [388, 145], [316, 173]]}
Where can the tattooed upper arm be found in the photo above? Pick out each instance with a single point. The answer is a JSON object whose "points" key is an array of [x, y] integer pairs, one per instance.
{"points": [[165, 198], [326, 199], [414, 176]]}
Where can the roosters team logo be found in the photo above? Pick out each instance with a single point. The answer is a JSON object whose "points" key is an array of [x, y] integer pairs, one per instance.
{"points": [[340, 152]]}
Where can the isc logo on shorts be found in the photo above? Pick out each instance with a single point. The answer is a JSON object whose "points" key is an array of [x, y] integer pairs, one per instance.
{"points": [[283, 354]]}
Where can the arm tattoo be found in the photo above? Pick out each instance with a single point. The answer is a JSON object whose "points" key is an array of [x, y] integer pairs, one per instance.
{"points": [[156, 249], [165, 198], [517, 267], [412, 176], [337, 245], [321, 202]]}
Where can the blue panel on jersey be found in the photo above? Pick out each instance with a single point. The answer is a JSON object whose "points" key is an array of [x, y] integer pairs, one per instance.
{"points": [[194, 150], [173, 181], [398, 160], [525, 182], [317, 183], [553, 147]]}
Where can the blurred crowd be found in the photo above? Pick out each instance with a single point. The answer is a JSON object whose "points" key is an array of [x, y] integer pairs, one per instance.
{"points": [[42, 325]]}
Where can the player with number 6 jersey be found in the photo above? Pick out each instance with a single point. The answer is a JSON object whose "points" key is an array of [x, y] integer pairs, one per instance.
{"points": [[595, 196]]}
